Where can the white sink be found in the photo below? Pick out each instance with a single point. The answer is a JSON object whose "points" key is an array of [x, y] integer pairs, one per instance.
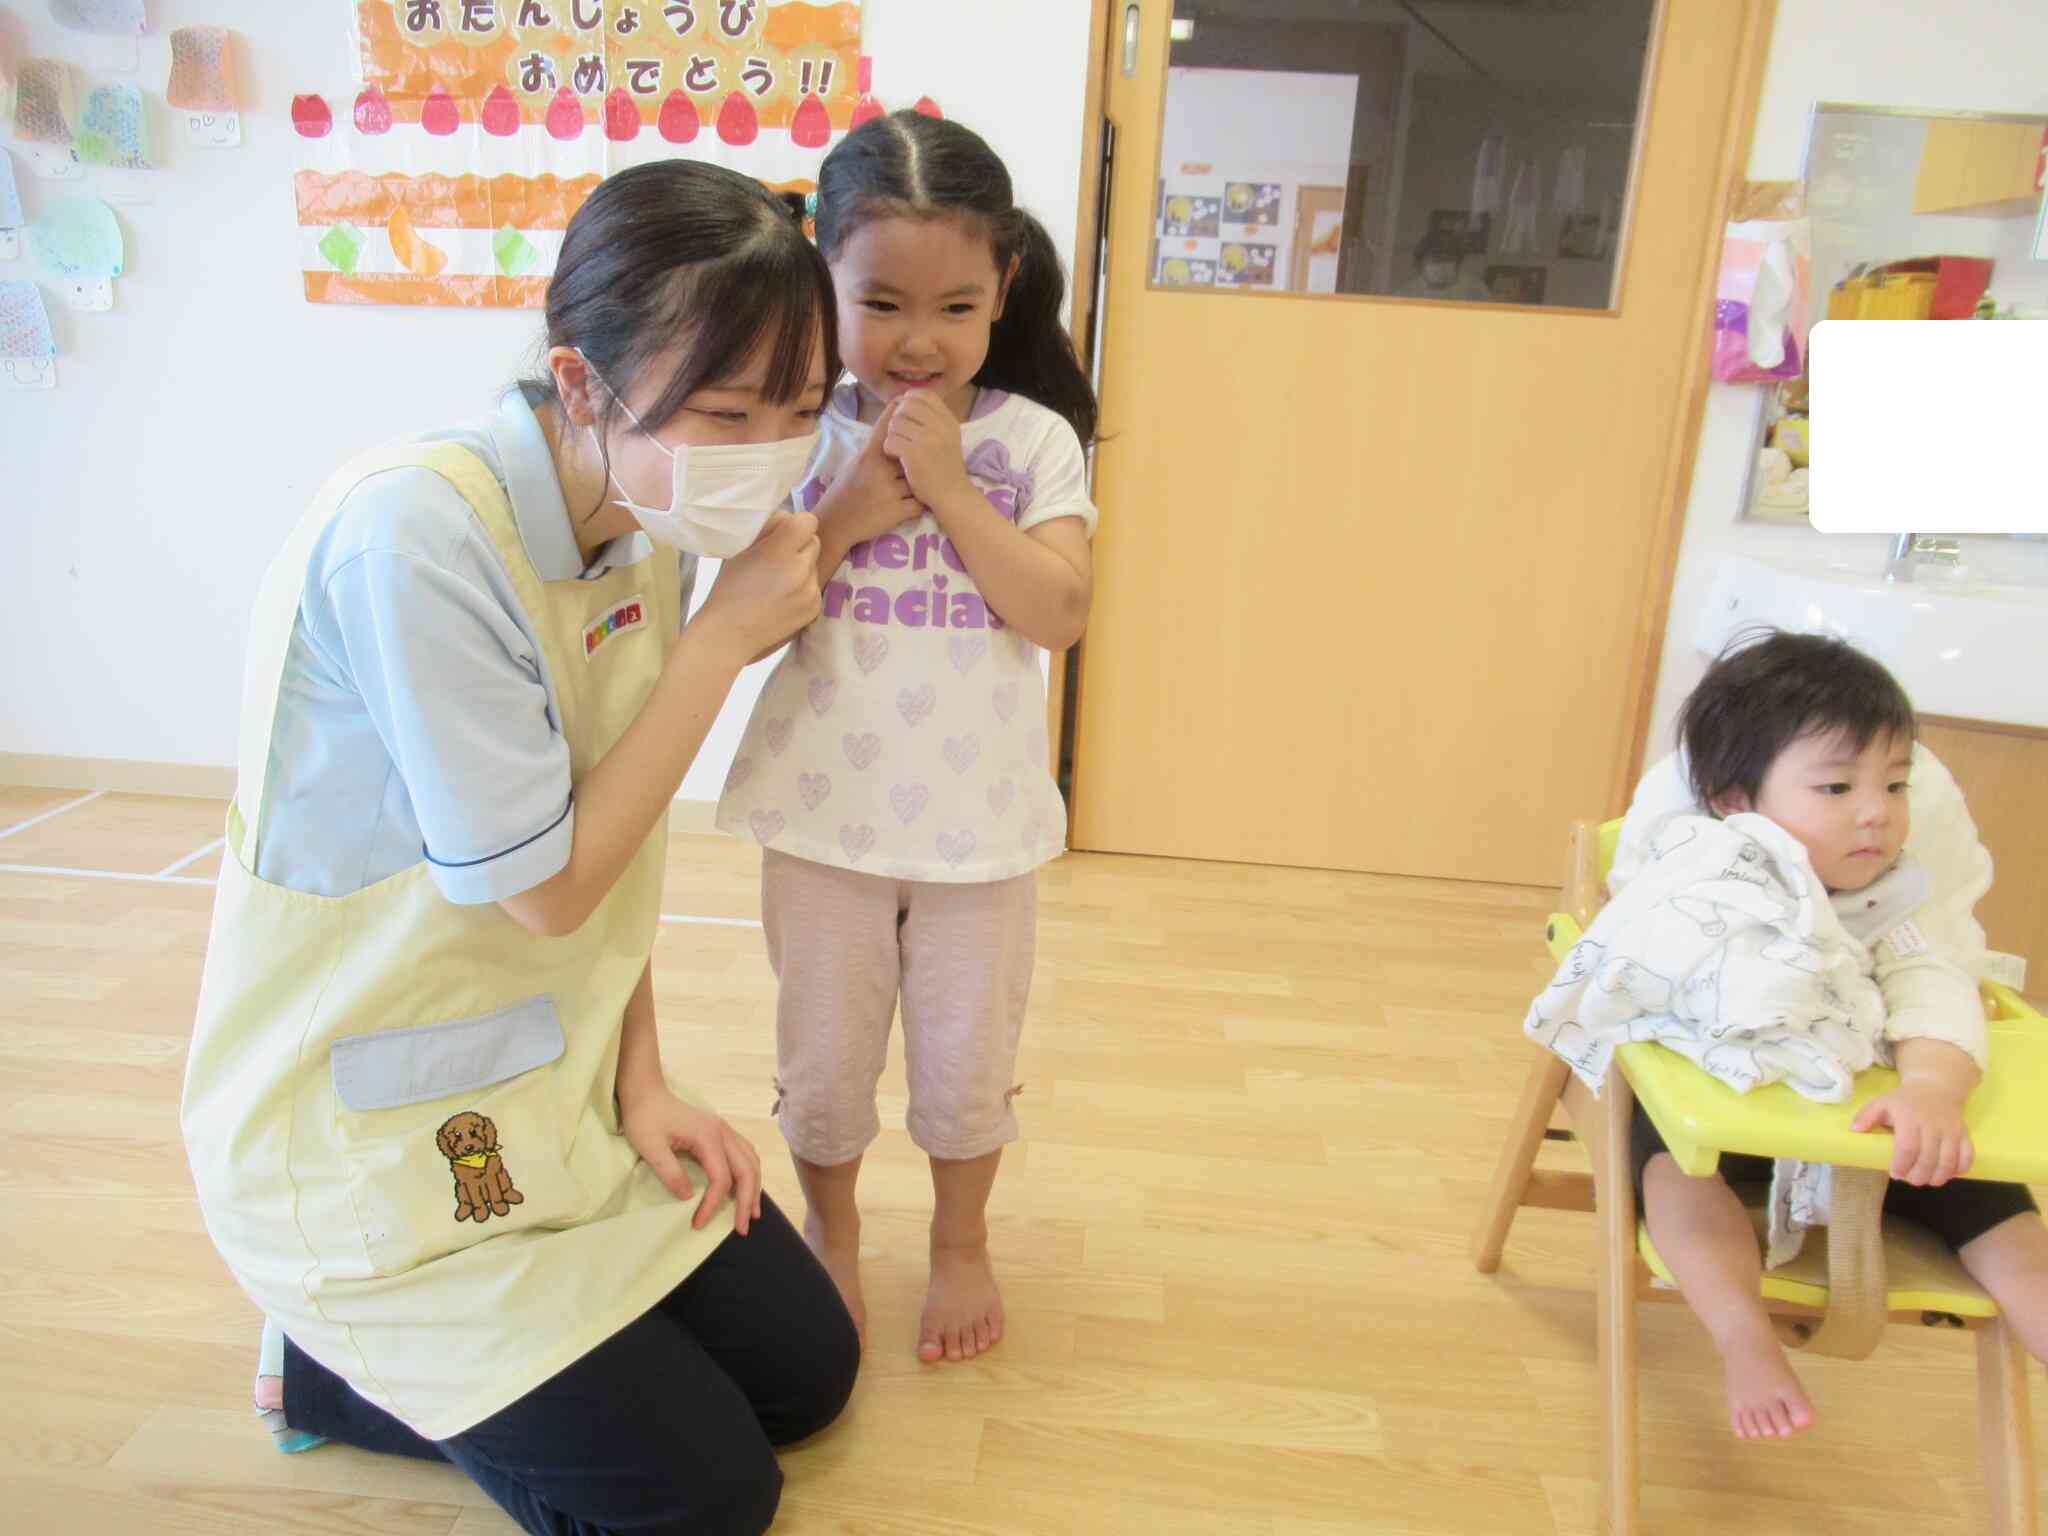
{"points": [[1971, 650]]}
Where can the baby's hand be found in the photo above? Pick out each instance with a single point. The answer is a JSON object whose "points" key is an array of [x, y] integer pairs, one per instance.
{"points": [[1930, 1143]]}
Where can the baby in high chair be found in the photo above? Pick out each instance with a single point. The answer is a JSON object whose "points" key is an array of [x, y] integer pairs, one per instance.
{"points": [[1770, 920]]}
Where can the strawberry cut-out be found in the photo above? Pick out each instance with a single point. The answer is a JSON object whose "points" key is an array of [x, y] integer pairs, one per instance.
{"points": [[738, 122], [866, 110], [927, 107], [438, 114], [501, 113], [621, 116], [373, 112], [565, 115], [312, 117], [678, 121], [812, 125]]}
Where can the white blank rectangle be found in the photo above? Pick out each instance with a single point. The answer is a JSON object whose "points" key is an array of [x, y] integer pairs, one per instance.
{"points": [[1929, 426]]}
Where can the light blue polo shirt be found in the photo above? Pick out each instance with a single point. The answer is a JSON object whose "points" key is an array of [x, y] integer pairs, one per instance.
{"points": [[417, 718]]}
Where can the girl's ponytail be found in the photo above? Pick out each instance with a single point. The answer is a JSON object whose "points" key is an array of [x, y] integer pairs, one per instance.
{"points": [[1029, 350]]}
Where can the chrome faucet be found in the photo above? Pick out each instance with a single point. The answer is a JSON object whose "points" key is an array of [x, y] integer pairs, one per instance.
{"points": [[1912, 550]]}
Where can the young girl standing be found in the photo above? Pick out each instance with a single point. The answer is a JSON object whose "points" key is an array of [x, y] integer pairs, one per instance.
{"points": [[895, 769]]}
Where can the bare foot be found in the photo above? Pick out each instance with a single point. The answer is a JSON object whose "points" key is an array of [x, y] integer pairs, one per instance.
{"points": [[963, 1311], [1765, 1400], [839, 1252]]}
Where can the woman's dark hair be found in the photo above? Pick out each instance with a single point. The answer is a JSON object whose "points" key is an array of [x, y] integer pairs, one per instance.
{"points": [[680, 251], [907, 165], [1769, 689], [1440, 245]]}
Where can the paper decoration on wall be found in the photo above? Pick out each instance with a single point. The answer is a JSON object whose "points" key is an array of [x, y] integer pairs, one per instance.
{"points": [[1568, 195], [1255, 204], [865, 108], [28, 352], [113, 129], [78, 241], [466, 240], [1186, 272], [449, 175], [112, 25], [312, 118], [11, 218], [1489, 175], [201, 89], [1194, 218], [772, 56], [1516, 284], [1518, 230], [110, 18], [1245, 265], [45, 108]]}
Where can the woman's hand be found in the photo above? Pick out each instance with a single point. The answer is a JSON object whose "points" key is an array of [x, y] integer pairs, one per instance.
{"points": [[659, 1125], [923, 437], [768, 591]]}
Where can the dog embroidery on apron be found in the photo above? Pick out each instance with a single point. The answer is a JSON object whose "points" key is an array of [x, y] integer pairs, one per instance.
{"points": [[483, 1187]]}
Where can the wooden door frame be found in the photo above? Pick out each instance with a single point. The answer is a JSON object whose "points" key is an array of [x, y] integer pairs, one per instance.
{"points": [[1646, 653], [1061, 685], [1682, 453]]}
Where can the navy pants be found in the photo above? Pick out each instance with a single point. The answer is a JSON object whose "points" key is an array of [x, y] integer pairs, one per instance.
{"points": [[669, 1425]]}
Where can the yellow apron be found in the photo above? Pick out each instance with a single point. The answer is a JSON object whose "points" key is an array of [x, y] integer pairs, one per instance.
{"points": [[400, 1111]]}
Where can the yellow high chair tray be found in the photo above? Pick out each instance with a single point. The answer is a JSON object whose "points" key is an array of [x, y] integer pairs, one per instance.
{"points": [[1700, 1117]]}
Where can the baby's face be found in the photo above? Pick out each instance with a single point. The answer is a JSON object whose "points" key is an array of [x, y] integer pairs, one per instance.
{"points": [[1847, 808]]}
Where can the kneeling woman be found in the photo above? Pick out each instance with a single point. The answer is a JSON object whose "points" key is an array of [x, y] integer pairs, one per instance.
{"points": [[425, 1105]]}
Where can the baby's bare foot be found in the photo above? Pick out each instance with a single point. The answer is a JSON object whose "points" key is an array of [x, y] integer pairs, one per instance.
{"points": [[1765, 1400], [963, 1311], [839, 1252]]}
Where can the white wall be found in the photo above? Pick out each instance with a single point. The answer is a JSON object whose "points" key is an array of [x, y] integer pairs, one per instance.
{"points": [[1983, 55], [140, 500]]}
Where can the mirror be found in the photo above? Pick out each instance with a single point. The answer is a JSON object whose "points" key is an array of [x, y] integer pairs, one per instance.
{"points": [[1914, 215]]}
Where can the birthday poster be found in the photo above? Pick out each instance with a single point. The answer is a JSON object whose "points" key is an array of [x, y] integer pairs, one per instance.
{"points": [[449, 173]]}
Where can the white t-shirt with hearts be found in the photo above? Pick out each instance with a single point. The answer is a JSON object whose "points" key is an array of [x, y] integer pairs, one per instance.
{"points": [[904, 734]]}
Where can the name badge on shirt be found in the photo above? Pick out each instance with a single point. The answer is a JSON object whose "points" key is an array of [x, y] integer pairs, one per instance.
{"points": [[1906, 940], [631, 614]]}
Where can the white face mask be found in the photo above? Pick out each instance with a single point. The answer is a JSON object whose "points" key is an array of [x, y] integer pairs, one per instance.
{"points": [[720, 495]]}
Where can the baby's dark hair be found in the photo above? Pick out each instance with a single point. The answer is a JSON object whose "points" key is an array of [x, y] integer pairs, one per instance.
{"points": [[908, 165], [1770, 688], [681, 251]]}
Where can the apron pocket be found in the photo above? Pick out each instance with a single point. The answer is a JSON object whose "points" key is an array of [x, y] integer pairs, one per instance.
{"points": [[433, 1061], [451, 1133]]}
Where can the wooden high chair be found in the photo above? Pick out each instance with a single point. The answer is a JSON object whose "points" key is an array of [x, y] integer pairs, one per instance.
{"points": [[1700, 1118]]}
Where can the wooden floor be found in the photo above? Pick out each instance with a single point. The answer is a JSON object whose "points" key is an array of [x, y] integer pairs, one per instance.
{"points": [[1261, 1109]]}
